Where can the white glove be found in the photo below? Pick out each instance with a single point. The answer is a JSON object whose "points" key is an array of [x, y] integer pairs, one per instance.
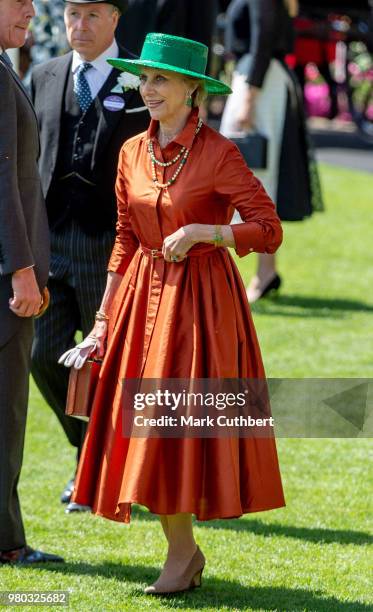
{"points": [[78, 355]]}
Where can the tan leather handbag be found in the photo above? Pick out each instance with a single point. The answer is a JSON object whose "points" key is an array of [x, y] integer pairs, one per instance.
{"points": [[82, 386]]}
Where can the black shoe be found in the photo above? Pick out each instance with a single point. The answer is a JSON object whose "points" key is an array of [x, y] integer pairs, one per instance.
{"points": [[68, 491], [74, 507], [28, 556], [271, 287]]}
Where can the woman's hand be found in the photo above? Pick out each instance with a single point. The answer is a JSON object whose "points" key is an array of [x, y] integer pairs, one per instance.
{"points": [[246, 116], [93, 345], [99, 332], [176, 246]]}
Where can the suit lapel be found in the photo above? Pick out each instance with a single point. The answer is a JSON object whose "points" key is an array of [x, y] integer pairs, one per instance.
{"points": [[56, 79], [18, 82], [108, 118]]}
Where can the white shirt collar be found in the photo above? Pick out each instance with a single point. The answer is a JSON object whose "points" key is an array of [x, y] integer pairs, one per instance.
{"points": [[100, 62]]}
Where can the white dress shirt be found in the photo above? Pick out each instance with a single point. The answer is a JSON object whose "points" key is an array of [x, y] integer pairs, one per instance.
{"points": [[97, 75]]}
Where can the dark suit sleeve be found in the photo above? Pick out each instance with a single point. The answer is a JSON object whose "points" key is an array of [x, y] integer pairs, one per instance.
{"points": [[15, 249], [263, 33]]}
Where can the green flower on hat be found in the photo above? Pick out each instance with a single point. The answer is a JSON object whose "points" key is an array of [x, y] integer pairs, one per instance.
{"points": [[176, 54]]}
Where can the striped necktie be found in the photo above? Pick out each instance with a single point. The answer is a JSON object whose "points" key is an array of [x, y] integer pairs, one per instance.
{"points": [[81, 87]]}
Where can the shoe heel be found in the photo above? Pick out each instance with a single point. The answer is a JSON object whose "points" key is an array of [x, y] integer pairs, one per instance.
{"points": [[272, 290], [272, 294], [197, 579]]}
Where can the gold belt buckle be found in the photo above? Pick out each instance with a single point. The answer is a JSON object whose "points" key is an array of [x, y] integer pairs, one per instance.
{"points": [[154, 253]]}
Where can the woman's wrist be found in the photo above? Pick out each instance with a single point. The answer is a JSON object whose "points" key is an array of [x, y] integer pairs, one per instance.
{"points": [[113, 282], [101, 315], [219, 235], [193, 232]]}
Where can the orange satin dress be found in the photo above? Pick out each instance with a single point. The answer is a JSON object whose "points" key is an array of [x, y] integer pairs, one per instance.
{"points": [[181, 320]]}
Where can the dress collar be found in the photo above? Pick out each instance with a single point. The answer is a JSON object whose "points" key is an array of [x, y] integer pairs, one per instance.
{"points": [[185, 138]]}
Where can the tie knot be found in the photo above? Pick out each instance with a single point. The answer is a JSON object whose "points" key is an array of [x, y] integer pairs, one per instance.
{"points": [[84, 66]]}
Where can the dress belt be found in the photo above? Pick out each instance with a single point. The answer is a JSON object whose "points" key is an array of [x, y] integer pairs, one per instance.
{"points": [[194, 252]]}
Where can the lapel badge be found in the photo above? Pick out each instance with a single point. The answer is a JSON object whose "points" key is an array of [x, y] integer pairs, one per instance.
{"points": [[114, 103]]}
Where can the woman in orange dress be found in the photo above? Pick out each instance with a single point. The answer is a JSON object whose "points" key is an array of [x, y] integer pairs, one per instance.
{"points": [[175, 307]]}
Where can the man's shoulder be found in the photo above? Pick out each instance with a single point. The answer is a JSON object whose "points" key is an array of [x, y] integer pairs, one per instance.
{"points": [[51, 65], [60, 62], [7, 84]]}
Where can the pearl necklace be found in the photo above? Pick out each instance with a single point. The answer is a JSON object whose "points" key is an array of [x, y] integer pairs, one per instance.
{"points": [[184, 154], [160, 163]]}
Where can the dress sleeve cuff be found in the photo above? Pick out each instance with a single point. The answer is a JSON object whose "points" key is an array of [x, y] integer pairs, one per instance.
{"points": [[249, 238]]}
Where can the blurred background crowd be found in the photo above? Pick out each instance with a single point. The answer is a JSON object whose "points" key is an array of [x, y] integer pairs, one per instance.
{"points": [[332, 52]]}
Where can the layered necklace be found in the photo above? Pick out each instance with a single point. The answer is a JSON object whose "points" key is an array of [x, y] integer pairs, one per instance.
{"points": [[182, 156]]}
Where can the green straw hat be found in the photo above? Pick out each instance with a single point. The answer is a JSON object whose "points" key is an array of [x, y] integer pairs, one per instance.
{"points": [[176, 54]]}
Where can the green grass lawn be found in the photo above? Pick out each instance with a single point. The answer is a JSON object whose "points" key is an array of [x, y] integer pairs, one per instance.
{"points": [[313, 555]]}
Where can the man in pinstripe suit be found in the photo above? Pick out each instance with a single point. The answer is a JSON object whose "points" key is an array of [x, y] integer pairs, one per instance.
{"points": [[83, 124]]}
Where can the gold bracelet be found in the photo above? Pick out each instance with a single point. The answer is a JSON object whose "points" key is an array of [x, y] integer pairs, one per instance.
{"points": [[218, 236], [101, 316]]}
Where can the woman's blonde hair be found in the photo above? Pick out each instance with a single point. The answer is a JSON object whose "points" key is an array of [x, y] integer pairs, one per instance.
{"points": [[199, 94], [292, 7]]}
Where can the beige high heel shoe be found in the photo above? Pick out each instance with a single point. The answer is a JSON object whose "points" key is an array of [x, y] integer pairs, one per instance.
{"points": [[190, 578]]}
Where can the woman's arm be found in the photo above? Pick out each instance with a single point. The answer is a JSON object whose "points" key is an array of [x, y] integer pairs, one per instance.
{"points": [[126, 241], [112, 285], [100, 328], [261, 228], [125, 246], [180, 242], [263, 19], [262, 35]]}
